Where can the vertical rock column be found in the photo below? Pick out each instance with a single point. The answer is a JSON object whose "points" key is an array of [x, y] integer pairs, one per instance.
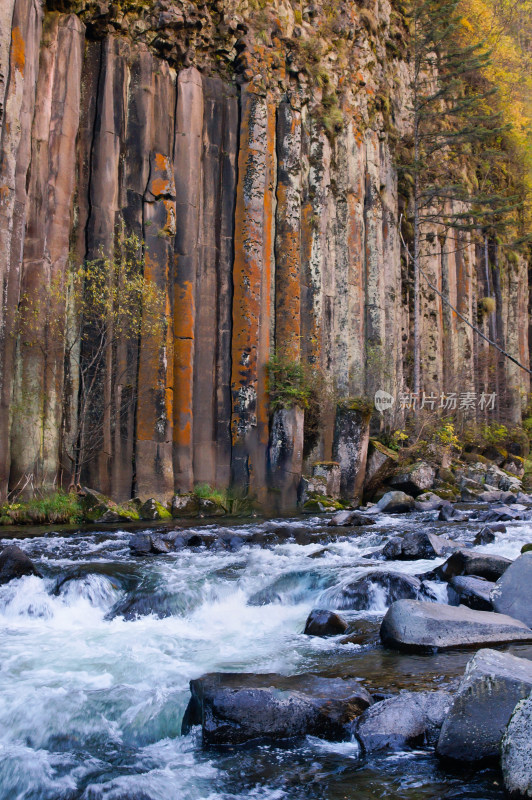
{"points": [[104, 203], [377, 365], [188, 182], [350, 449], [314, 220], [211, 402], [286, 443], [252, 277], [154, 474], [39, 385], [20, 75]]}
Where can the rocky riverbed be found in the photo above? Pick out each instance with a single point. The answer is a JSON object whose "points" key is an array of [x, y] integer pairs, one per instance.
{"points": [[408, 634]]}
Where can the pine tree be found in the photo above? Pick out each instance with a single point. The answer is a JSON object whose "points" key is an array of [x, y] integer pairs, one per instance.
{"points": [[454, 145]]}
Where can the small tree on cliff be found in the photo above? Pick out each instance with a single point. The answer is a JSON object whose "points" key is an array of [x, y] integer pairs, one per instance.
{"points": [[87, 317], [455, 140]]}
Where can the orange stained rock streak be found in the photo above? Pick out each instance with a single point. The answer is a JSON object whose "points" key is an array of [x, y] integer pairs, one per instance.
{"points": [[18, 50]]}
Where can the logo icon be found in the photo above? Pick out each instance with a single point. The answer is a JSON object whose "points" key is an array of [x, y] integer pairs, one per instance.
{"points": [[383, 401]]}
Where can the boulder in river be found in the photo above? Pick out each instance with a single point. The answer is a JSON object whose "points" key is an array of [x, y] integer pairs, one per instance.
{"points": [[470, 562], [184, 505], [14, 563], [347, 518], [238, 708], [473, 592], [324, 623], [143, 544], [416, 545], [375, 589], [429, 501], [487, 534], [516, 753], [512, 594], [492, 685], [407, 719], [448, 513], [395, 503], [418, 626]]}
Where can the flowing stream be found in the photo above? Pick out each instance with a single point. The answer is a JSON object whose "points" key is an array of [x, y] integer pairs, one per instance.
{"points": [[91, 703]]}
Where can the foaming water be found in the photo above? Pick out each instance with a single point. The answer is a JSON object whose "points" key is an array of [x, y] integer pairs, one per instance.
{"points": [[97, 656]]}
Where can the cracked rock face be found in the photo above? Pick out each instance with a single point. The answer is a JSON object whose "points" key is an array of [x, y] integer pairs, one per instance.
{"points": [[516, 758]]}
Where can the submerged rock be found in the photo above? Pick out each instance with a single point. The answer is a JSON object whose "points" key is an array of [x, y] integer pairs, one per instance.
{"points": [[14, 563], [324, 623], [417, 545], [512, 594], [418, 626], [235, 709], [375, 589], [408, 719], [492, 685], [487, 534], [516, 753]]}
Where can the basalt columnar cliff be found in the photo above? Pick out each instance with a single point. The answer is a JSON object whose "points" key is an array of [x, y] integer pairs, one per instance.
{"points": [[251, 147]]}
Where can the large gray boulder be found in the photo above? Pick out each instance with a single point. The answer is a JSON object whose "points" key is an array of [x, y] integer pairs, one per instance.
{"points": [[239, 708], [470, 562], [516, 752], [14, 563], [492, 685], [414, 480], [512, 594], [417, 544], [374, 590], [350, 518], [395, 503], [420, 626], [409, 718]]}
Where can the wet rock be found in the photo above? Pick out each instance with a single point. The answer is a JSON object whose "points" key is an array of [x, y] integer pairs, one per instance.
{"points": [[473, 592], [324, 623], [94, 503], [375, 589], [415, 480], [448, 513], [512, 594], [503, 513], [235, 709], [469, 562], [184, 505], [526, 548], [487, 534], [153, 510], [408, 719], [290, 588], [143, 544], [145, 603], [418, 626], [416, 545], [14, 563], [362, 632], [395, 503], [350, 518], [492, 685], [516, 753], [429, 501]]}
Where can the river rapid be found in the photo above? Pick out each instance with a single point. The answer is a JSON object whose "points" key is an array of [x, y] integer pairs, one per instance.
{"points": [[91, 703]]}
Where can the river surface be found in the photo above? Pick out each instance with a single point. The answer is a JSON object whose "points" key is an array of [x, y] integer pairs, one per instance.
{"points": [[91, 705]]}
